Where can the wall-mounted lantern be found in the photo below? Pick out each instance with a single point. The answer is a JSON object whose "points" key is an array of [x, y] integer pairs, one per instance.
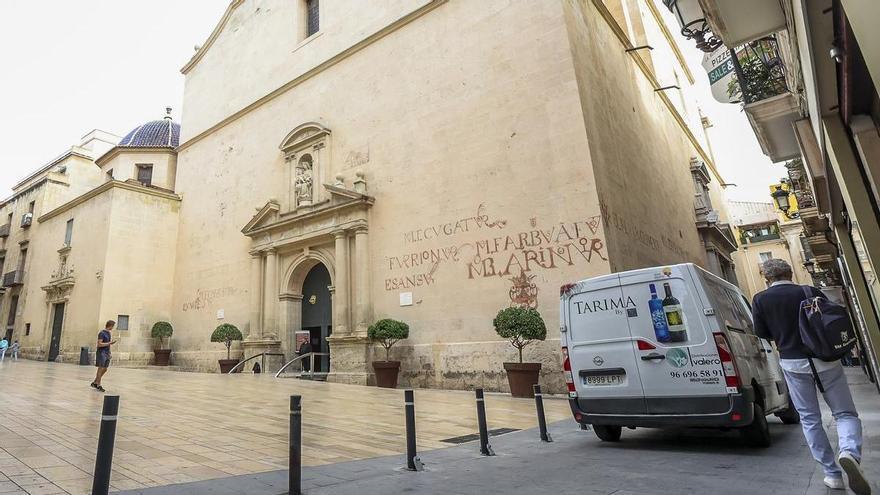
{"points": [[780, 197], [693, 23], [810, 266]]}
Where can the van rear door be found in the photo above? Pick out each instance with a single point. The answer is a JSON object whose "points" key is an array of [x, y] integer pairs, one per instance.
{"points": [[600, 349], [681, 374]]}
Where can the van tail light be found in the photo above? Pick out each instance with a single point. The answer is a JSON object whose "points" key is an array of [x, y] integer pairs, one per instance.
{"points": [[644, 345], [731, 375], [569, 377]]}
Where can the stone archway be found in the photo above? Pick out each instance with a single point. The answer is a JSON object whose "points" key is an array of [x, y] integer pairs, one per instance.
{"points": [[292, 299]]}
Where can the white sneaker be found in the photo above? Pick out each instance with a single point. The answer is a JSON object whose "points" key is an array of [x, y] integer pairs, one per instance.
{"points": [[834, 483], [857, 482]]}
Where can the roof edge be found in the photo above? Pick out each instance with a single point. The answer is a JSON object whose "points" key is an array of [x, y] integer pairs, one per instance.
{"points": [[212, 37]]}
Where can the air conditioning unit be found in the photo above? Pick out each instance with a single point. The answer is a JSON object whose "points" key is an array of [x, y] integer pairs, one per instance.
{"points": [[27, 219]]}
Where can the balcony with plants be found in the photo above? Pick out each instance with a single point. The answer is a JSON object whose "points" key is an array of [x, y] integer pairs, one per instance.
{"points": [[762, 86]]}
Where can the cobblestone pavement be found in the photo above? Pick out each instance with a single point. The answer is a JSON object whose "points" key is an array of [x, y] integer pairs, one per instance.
{"points": [[185, 427], [645, 462]]}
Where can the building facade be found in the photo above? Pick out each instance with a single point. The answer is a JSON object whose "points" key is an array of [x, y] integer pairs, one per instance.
{"points": [[763, 235], [807, 73], [431, 161]]}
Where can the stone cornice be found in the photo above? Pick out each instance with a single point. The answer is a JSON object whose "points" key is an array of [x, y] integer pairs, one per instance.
{"points": [[361, 203], [107, 186], [118, 150], [330, 62]]}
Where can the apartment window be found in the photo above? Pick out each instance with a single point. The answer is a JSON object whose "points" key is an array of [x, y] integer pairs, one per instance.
{"points": [[31, 206], [765, 256], [13, 307], [27, 329], [21, 259], [312, 17], [68, 232], [122, 322], [109, 176], [9, 218]]}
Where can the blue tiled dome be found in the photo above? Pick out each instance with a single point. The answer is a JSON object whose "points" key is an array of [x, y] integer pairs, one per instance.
{"points": [[154, 134]]}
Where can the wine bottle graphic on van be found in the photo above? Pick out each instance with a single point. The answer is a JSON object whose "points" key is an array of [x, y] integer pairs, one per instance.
{"points": [[674, 316], [658, 316]]}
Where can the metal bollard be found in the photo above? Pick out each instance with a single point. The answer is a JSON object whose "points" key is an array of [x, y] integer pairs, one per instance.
{"points": [[485, 448], [106, 438], [542, 421], [294, 476], [413, 463]]}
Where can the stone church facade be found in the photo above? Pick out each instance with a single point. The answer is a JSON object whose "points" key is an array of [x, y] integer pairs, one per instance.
{"points": [[431, 161]]}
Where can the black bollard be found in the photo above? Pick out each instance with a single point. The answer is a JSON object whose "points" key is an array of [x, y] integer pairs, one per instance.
{"points": [[485, 448], [294, 476], [542, 421], [413, 463], [106, 437]]}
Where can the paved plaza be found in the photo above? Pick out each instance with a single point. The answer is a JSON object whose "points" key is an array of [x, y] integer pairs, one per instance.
{"points": [[645, 462], [190, 434], [184, 427]]}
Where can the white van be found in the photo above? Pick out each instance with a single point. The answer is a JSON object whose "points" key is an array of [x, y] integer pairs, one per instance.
{"points": [[668, 346]]}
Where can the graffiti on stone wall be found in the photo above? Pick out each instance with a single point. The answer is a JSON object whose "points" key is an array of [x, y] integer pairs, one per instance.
{"points": [[204, 297], [512, 255], [460, 226], [357, 158], [637, 234], [523, 292]]}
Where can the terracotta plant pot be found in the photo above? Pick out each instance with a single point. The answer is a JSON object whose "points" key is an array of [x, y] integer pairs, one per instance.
{"points": [[162, 357], [227, 364], [386, 373], [521, 377]]}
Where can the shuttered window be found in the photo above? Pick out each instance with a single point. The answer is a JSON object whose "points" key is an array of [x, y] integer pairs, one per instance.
{"points": [[312, 17], [145, 174]]}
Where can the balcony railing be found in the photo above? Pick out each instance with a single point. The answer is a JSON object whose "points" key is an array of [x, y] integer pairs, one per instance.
{"points": [[4, 230], [13, 278], [760, 72]]}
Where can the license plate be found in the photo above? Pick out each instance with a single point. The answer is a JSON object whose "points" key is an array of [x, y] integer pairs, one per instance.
{"points": [[604, 380]]}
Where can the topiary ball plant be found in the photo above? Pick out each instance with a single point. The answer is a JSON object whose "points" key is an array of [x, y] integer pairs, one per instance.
{"points": [[387, 332], [226, 333], [161, 330], [521, 326]]}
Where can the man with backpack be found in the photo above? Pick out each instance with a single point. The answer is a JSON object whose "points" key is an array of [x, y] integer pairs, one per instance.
{"points": [[808, 341]]}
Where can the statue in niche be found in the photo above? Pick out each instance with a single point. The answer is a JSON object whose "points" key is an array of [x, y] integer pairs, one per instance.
{"points": [[303, 182]]}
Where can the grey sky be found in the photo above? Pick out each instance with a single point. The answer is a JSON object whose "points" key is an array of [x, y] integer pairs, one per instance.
{"points": [[72, 66]]}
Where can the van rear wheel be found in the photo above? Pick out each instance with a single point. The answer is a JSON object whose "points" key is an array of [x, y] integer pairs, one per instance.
{"points": [[608, 433], [757, 434]]}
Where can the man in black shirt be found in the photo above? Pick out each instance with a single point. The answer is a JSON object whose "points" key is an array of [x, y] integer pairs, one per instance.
{"points": [[102, 355], [776, 313]]}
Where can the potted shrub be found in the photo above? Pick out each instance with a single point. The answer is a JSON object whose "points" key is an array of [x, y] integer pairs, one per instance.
{"points": [[521, 326], [226, 333], [162, 330], [387, 332]]}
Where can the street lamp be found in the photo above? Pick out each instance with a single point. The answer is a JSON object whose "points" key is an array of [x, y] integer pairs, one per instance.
{"points": [[810, 265], [780, 197], [693, 23]]}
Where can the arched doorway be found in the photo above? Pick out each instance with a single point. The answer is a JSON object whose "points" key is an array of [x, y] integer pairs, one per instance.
{"points": [[317, 311]]}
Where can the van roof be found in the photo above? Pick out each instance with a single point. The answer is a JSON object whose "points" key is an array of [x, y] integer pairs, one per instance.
{"points": [[682, 266]]}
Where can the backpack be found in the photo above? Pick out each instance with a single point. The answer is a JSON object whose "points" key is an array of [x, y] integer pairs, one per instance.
{"points": [[825, 328]]}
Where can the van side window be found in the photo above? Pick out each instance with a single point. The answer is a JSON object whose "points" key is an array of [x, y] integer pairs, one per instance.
{"points": [[742, 315]]}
